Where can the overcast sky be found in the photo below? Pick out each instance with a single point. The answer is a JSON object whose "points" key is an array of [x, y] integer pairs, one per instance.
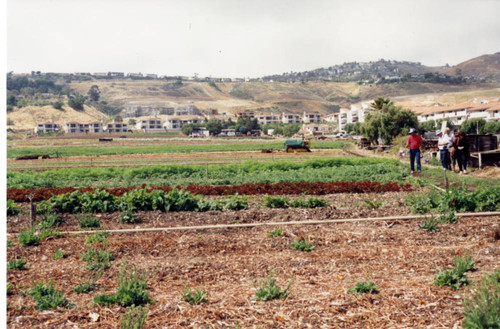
{"points": [[231, 38]]}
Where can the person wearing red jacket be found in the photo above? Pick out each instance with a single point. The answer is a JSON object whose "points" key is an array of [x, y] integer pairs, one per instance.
{"points": [[414, 142]]}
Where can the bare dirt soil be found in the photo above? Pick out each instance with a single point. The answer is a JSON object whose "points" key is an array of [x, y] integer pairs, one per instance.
{"points": [[228, 263]]}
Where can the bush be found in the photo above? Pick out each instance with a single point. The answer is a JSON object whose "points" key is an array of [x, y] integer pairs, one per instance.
{"points": [[12, 208], [28, 238], [302, 245], [46, 296], [482, 309], [196, 298], [135, 318], [131, 286], [363, 288], [269, 290]]}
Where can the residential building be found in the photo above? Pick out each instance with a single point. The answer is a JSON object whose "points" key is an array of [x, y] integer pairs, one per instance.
{"points": [[290, 118], [314, 129], [83, 128], [47, 127], [116, 127], [334, 117], [176, 122], [268, 118], [150, 125], [245, 114], [311, 117]]}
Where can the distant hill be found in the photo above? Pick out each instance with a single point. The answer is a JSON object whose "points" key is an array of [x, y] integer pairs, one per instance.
{"points": [[486, 66]]}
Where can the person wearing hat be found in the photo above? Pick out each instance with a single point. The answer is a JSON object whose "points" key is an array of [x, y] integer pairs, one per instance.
{"points": [[444, 144], [414, 142]]}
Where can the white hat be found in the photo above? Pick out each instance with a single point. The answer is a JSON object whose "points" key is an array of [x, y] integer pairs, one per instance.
{"points": [[438, 132], [412, 130]]}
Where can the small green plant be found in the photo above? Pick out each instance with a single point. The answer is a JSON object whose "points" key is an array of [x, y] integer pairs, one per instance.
{"points": [[364, 287], [58, 254], [9, 288], [196, 298], [456, 276], [97, 237], [16, 264], [46, 296], [10, 243], [28, 238], [268, 289], [50, 220], [131, 289], [12, 208], [482, 309], [430, 225], [47, 233], [85, 288], [128, 217], [373, 204], [275, 233], [449, 217], [89, 222], [302, 245], [98, 259], [135, 318], [206, 205], [235, 202], [308, 203], [276, 202]]}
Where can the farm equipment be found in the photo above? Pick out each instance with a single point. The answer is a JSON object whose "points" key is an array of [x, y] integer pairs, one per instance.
{"points": [[293, 145]]}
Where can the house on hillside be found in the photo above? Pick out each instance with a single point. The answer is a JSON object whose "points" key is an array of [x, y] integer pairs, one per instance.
{"points": [[268, 118], [176, 122], [334, 117], [290, 118], [47, 127], [311, 117], [245, 114]]}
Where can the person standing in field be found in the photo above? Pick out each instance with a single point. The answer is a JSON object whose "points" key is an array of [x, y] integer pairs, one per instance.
{"points": [[444, 144], [462, 151], [414, 142]]}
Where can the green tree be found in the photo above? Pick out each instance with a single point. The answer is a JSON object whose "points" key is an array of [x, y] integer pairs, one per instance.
{"points": [[214, 127], [491, 127], [58, 105], [388, 122], [12, 100], [94, 93], [76, 102], [380, 102], [473, 126], [187, 129], [131, 122]]}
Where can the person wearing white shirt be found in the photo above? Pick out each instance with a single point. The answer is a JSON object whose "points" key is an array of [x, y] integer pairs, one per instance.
{"points": [[444, 144]]}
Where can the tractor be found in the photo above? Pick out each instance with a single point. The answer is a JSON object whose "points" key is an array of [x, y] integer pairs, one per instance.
{"points": [[293, 145]]}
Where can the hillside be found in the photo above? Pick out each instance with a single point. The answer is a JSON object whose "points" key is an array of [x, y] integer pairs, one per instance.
{"points": [[486, 66]]}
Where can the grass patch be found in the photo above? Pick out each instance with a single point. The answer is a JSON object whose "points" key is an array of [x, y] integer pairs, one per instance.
{"points": [[16, 264], [135, 318]]}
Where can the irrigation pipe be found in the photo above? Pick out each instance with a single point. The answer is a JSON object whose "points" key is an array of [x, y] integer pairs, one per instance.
{"points": [[309, 222]]}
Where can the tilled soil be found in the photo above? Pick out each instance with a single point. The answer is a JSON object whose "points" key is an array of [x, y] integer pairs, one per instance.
{"points": [[401, 259]]}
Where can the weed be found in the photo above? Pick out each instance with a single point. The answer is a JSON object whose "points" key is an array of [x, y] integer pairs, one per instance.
{"points": [[482, 309], [302, 245], [206, 205], [46, 296], [235, 202], [46, 233], [10, 243], [58, 254], [430, 225], [97, 237], [364, 287], [312, 202], [269, 290], [131, 286], [16, 264], [97, 259], [28, 238], [196, 298], [373, 204], [128, 217], [135, 318], [9, 288], [463, 264], [88, 222], [275, 233]]}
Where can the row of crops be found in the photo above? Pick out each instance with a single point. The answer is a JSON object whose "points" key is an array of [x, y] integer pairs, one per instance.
{"points": [[318, 170], [64, 151]]}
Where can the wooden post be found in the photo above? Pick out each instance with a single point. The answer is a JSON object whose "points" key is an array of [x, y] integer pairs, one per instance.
{"points": [[480, 160], [32, 211]]}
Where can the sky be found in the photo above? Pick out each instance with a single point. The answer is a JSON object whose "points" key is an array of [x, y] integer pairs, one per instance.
{"points": [[232, 38]]}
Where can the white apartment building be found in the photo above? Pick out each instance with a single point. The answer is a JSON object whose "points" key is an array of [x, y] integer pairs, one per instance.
{"points": [[150, 125], [311, 117], [290, 118], [47, 127], [334, 117], [268, 118], [116, 127], [176, 122], [83, 128]]}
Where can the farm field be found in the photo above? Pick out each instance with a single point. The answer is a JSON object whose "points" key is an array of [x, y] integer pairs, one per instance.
{"points": [[228, 224], [399, 257]]}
